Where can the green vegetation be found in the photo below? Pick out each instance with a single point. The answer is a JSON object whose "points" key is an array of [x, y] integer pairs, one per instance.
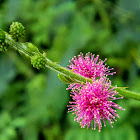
{"points": [[34, 102]]}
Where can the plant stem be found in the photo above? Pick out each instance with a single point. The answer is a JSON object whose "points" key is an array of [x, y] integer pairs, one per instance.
{"points": [[67, 72], [17, 45], [128, 94], [22, 48], [122, 91]]}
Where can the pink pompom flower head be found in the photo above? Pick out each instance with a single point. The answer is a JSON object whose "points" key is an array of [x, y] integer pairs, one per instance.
{"points": [[89, 66], [92, 103]]}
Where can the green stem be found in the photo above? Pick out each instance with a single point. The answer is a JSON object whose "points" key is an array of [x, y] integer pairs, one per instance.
{"points": [[67, 72], [22, 48], [128, 94]]}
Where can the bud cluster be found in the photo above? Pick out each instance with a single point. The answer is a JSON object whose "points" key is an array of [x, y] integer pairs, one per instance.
{"points": [[2, 36], [17, 30], [38, 61], [3, 45], [92, 103]]}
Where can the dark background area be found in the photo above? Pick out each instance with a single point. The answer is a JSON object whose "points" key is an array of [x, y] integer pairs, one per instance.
{"points": [[33, 104]]}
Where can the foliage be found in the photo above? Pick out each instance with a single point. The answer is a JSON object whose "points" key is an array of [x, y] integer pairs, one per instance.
{"points": [[33, 103]]}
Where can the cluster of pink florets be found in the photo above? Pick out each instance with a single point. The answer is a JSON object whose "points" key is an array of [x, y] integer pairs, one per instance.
{"points": [[92, 102], [89, 66]]}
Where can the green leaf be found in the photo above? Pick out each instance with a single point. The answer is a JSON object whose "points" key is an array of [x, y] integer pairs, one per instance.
{"points": [[66, 79]]}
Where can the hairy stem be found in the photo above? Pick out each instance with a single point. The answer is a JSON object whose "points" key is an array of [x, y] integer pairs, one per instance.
{"points": [[22, 48], [128, 94], [66, 72]]}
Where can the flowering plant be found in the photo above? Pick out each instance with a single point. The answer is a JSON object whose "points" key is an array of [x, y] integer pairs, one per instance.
{"points": [[91, 89], [92, 102]]}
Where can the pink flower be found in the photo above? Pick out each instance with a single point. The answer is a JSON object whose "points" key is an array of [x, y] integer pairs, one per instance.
{"points": [[92, 103], [89, 66]]}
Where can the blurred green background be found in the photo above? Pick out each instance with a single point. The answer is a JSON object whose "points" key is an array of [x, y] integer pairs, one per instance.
{"points": [[33, 104]]}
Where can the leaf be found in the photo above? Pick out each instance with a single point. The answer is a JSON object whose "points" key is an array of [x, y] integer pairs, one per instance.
{"points": [[66, 79]]}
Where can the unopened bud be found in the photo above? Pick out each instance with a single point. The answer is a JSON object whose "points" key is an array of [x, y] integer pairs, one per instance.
{"points": [[38, 61], [2, 36], [17, 30]]}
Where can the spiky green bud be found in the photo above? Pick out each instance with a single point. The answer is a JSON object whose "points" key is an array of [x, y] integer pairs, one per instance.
{"points": [[38, 61], [3, 45], [2, 36], [17, 30]]}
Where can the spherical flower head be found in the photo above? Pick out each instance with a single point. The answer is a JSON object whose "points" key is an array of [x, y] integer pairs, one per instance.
{"points": [[93, 103], [38, 61], [17, 30], [2, 37], [3, 44], [89, 66], [4, 47]]}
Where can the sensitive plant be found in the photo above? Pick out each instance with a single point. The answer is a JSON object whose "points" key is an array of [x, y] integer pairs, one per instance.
{"points": [[91, 90], [89, 66], [93, 102]]}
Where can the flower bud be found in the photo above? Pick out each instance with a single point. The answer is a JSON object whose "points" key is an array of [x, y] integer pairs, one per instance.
{"points": [[38, 61], [2, 36], [3, 45], [17, 30]]}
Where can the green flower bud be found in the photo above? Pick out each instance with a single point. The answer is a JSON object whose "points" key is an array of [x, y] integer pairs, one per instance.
{"points": [[17, 30], [38, 61], [2, 36], [4, 47]]}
